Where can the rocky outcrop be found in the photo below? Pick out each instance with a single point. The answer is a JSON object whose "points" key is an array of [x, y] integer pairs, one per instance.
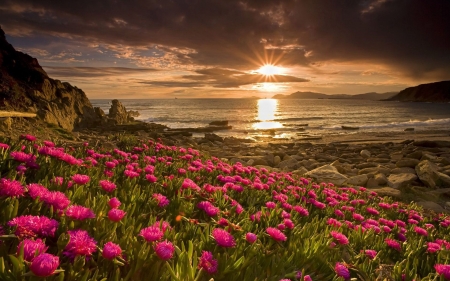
{"points": [[327, 173], [432, 92], [26, 87]]}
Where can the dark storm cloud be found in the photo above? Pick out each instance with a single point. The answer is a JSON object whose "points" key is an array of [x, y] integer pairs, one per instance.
{"points": [[94, 71], [224, 78], [410, 35]]}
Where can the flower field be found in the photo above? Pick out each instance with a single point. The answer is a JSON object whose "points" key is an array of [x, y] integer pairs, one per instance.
{"points": [[157, 212]]}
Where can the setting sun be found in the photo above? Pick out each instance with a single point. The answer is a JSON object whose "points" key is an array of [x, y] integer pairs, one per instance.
{"points": [[269, 70]]}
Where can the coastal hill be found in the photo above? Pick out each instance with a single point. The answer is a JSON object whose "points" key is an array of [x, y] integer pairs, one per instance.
{"points": [[26, 87], [432, 92], [313, 95]]}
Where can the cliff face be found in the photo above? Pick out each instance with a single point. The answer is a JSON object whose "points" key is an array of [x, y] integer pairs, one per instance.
{"points": [[432, 92], [24, 86]]}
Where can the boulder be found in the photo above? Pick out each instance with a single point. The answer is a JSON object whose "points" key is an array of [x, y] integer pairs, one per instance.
{"points": [[359, 180], [429, 174], [407, 162], [374, 170], [430, 205], [403, 170], [213, 137], [388, 191], [401, 180], [300, 171], [118, 113], [396, 156], [289, 164], [327, 173], [365, 153], [416, 154], [276, 160], [376, 181]]}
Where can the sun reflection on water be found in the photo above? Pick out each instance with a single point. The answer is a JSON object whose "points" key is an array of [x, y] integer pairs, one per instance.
{"points": [[267, 108]]}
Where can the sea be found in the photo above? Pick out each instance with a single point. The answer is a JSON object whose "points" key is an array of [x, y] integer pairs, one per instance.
{"points": [[289, 118]]}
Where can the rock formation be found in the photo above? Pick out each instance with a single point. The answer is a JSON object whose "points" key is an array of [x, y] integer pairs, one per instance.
{"points": [[26, 87], [432, 92]]}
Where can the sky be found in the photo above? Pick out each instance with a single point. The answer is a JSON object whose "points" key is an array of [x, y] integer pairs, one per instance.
{"points": [[233, 49]]}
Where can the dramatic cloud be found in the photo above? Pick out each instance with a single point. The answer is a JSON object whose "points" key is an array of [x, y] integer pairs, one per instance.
{"points": [[407, 38]]}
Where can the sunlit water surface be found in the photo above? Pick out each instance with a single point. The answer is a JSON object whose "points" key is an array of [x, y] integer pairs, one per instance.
{"points": [[288, 118]]}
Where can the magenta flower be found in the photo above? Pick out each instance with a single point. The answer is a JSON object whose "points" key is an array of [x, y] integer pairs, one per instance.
{"points": [[433, 247], [372, 211], [251, 237], [116, 215], [276, 234], [393, 244], [208, 263], [151, 233], [164, 250], [307, 278], [271, 205], [28, 137], [22, 156], [223, 238], [44, 265], [443, 270], [164, 226], [114, 203], [342, 271], [162, 200], [4, 146], [11, 188], [111, 250], [57, 199], [302, 211], [131, 174], [77, 212], [339, 237], [81, 244], [81, 179], [420, 231], [357, 217], [151, 178], [370, 254], [107, 185], [31, 248], [31, 226], [36, 190]]}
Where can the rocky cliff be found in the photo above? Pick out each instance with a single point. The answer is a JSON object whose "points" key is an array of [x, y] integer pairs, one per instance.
{"points": [[25, 86], [432, 92]]}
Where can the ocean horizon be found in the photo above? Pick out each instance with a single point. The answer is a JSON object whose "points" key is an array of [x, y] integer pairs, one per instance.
{"points": [[289, 118]]}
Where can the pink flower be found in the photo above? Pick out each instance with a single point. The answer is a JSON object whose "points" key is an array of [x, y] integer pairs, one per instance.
{"points": [[433, 247], [81, 179], [288, 223], [421, 231], [339, 237], [223, 238], [44, 265], [31, 248], [162, 200], [370, 254], [116, 215], [36, 190], [57, 199], [307, 278], [77, 212], [164, 226], [276, 234], [342, 271], [11, 188], [271, 205], [372, 211], [151, 233], [208, 263], [22, 156], [164, 250], [111, 250], [114, 203], [302, 211], [80, 244], [151, 178], [31, 226], [393, 244], [251, 237], [107, 185], [357, 217], [28, 137], [443, 270], [131, 174], [4, 146]]}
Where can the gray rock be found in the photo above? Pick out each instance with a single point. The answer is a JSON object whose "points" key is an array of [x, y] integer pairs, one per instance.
{"points": [[276, 160], [396, 156], [403, 170], [290, 164], [359, 180], [259, 161], [365, 153], [415, 155], [366, 165], [374, 171], [430, 205], [327, 173], [401, 180], [429, 174], [407, 162], [428, 156], [388, 191], [300, 171], [379, 160], [380, 179]]}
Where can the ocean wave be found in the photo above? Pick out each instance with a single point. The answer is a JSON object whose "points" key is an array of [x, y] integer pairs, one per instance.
{"points": [[411, 123]]}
